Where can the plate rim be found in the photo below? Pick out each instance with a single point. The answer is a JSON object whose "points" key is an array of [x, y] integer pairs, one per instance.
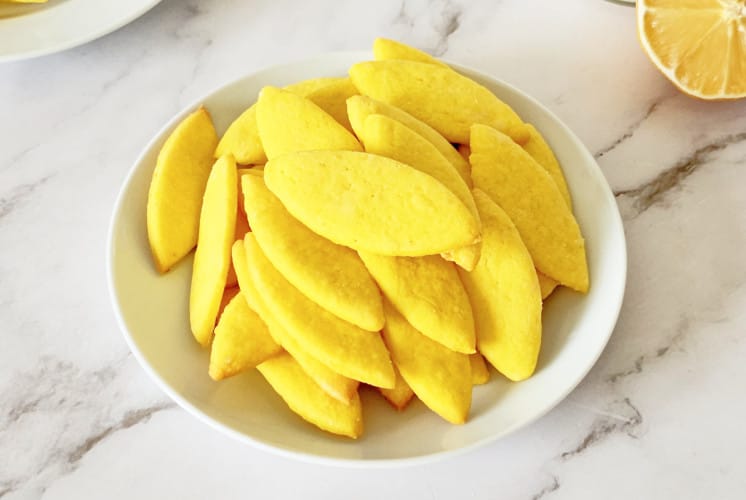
{"points": [[69, 43], [360, 463]]}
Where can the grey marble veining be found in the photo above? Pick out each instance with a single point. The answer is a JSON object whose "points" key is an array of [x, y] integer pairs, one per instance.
{"points": [[655, 190]]}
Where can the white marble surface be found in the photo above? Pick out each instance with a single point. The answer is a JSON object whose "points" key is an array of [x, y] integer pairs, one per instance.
{"points": [[661, 414]]}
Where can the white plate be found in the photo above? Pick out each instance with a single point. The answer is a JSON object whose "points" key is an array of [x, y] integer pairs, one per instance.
{"points": [[152, 311], [30, 30]]}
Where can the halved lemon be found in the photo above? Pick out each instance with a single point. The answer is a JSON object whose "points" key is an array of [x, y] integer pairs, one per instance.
{"points": [[700, 45]]}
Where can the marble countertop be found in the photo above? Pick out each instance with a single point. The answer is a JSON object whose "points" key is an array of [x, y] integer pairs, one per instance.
{"points": [[660, 415]]}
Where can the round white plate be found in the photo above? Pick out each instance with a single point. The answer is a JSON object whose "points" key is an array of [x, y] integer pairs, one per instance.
{"points": [[152, 311], [30, 30]]}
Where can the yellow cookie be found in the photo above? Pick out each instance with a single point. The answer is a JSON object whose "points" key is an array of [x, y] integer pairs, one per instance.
{"points": [[241, 201], [445, 100], [308, 400], [175, 196], [331, 275], [427, 291], [465, 257], [306, 87], [241, 341], [508, 175], [387, 137], [242, 225], [342, 346], [384, 49], [505, 295], [441, 378], [542, 153], [289, 123], [400, 396], [546, 284], [371, 203], [242, 137], [359, 107], [332, 98], [217, 225], [480, 374], [336, 385]]}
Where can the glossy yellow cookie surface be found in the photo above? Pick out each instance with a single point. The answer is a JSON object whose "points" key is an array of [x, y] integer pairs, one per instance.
{"points": [[175, 195], [331, 275], [505, 294], [368, 202], [527, 193]]}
